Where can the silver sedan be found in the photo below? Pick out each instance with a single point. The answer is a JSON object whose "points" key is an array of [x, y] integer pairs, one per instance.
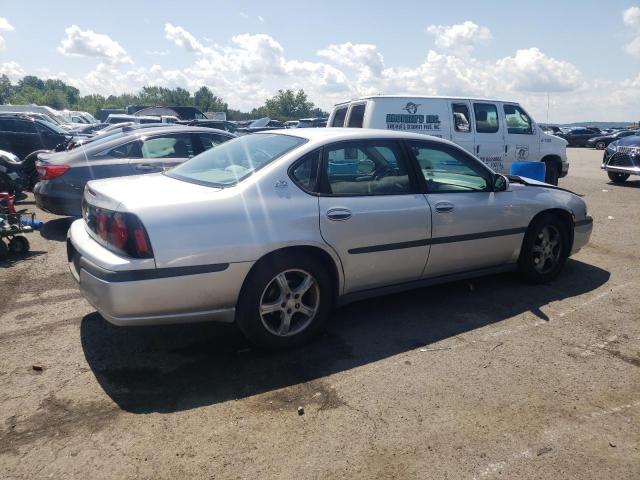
{"points": [[272, 230]]}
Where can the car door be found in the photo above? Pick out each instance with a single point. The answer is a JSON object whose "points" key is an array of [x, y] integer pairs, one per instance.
{"points": [[489, 137], [163, 151], [473, 227], [371, 213], [462, 131], [521, 138]]}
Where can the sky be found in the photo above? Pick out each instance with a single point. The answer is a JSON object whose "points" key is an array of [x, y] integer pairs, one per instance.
{"points": [[564, 61]]}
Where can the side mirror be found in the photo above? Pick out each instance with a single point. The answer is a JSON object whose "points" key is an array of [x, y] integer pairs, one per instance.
{"points": [[500, 183]]}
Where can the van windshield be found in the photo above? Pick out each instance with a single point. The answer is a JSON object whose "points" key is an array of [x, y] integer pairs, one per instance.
{"points": [[230, 163]]}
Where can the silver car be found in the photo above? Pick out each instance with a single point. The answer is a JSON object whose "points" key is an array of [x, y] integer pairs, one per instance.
{"points": [[274, 229]]}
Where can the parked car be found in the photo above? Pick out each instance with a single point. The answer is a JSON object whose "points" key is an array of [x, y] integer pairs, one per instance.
{"points": [[622, 159], [291, 124], [22, 135], [13, 178], [50, 112], [217, 124], [497, 132], [312, 123], [578, 137], [261, 125], [63, 175], [601, 142], [116, 118], [268, 230]]}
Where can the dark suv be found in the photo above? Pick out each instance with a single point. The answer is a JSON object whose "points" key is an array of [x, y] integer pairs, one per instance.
{"points": [[22, 135], [578, 137]]}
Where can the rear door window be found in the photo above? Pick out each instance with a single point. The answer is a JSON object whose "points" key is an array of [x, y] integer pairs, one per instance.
{"points": [[210, 140], [356, 116], [486, 117], [127, 150], [305, 171], [461, 118], [338, 118], [168, 146], [371, 167]]}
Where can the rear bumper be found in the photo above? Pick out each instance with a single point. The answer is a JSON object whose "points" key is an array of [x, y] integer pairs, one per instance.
{"points": [[581, 234], [56, 204], [129, 295]]}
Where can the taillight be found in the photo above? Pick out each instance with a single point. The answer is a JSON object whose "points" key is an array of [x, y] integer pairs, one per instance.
{"points": [[121, 232], [49, 172]]}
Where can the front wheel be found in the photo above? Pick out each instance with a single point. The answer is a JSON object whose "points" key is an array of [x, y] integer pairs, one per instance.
{"points": [[551, 173], [284, 302], [616, 177], [19, 245], [600, 146], [544, 250]]}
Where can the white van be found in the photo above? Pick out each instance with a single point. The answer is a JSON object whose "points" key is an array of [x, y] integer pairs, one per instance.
{"points": [[33, 108], [497, 132]]}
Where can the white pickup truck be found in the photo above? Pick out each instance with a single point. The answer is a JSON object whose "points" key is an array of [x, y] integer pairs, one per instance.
{"points": [[498, 132]]}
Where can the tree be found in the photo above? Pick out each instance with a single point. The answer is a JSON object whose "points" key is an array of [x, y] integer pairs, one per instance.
{"points": [[288, 105], [6, 89], [206, 101]]}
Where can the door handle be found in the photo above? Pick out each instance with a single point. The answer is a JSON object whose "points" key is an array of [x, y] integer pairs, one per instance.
{"points": [[477, 149], [338, 214], [444, 207], [145, 166], [506, 148]]}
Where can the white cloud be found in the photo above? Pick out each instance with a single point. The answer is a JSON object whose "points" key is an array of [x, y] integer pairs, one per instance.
{"points": [[460, 39], [158, 53], [5, 26], [182, 38], [88, 43], [363, 57], [244, 15], [631, 17], [260, 19], [12, 70], [531, 70]]}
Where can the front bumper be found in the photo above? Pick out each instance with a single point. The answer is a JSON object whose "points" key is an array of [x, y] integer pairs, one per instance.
{"points": [[129, 292], [581, 234]]}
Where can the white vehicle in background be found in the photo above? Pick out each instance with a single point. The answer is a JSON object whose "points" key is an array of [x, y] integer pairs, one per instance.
{"points": [[55, 115], [497, 132]]}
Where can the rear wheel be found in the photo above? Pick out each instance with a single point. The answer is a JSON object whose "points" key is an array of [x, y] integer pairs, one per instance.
{"points": [[616, 177], [19, 245], [551, 173], [600, 146], [285, 301], [544, 250]]}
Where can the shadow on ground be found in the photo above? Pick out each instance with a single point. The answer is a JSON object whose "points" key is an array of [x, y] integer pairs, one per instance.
{"points": [[173, 368], [56, 229], [630, 183], [14, 258]]}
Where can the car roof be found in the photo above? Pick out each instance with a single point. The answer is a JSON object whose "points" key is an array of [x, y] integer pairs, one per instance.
{"points": [[422, 97], [339, 133]]}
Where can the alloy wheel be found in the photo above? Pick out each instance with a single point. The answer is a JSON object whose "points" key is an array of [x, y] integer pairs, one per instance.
{"points": [[290, 302], [547, 249]]}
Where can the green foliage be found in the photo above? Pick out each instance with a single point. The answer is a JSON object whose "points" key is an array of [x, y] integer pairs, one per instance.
{"points": [[285, 105]]}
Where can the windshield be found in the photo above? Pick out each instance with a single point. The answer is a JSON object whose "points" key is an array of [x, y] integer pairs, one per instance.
{"points": [[233, 161]]}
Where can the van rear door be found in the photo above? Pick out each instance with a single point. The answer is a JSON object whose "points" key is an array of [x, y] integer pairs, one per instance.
{"points": [[462, 131], [490, 146]]}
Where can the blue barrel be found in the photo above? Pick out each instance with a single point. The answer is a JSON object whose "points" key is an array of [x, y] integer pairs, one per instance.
{"points": [[35, 224], [533, 170]]}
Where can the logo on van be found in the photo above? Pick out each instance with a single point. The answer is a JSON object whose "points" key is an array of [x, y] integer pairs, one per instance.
{"points": [[411, 108], [522, 152]]}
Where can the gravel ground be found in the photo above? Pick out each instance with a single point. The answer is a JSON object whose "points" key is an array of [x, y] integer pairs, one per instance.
{"points": [[489, 379]]}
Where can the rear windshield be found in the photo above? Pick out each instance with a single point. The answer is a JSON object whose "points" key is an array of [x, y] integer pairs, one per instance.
{"points": [[338, 117], [356, 117], [233, 161]]}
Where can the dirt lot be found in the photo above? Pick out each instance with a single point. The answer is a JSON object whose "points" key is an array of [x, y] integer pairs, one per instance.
{"points": [[493, 379]]}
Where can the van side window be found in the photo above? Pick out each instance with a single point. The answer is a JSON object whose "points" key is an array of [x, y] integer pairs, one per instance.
{"points": [[356, 117], [518, 122], [338, 118], [461, 117], [486, 117]]}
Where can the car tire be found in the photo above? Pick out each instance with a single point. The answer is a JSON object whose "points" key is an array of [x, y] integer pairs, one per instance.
{"points": [[551, 173], [616, 177], [4, 251], [600, 146], [545, 249], [19, 245], [269, 312]]}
